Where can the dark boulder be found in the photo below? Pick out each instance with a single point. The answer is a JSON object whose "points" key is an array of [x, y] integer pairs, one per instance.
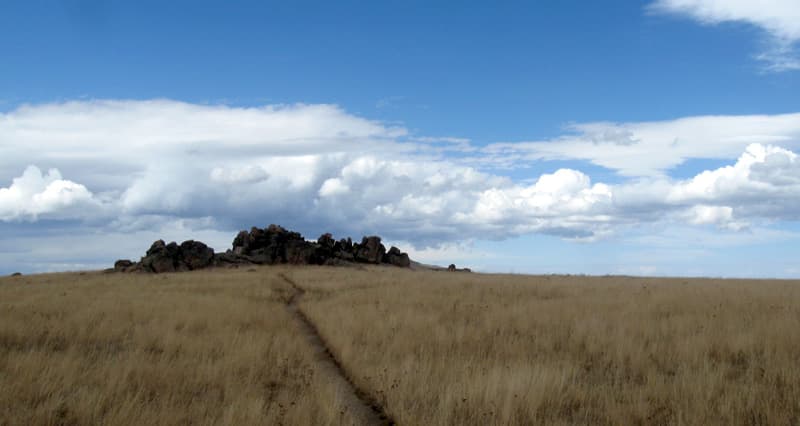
{"points": [[326, 248], [260, 256], [156, 247], [326, 240], [16, 274], [397, 258], [343, 250], [452, 268], [370, 250], [188, 256], [195, 255], [231, 259], [161, 257], [271, 245], [159, 264], [241, 244], [345, 245], [122, 265], [302, 253]]}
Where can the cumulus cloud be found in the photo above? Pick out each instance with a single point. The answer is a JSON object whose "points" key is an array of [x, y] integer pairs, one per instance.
{"points": [[780, 19], [763, 183], [134, 166], [34, 194], [716, 215]]}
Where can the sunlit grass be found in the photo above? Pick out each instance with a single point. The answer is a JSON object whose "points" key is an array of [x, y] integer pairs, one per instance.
{"points": [[452, 348], [434, 348], [194, 348]]}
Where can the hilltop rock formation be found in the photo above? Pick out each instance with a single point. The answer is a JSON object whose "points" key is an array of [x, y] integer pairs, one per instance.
{"points": [[397, 258], [163, 257], [452, 268], [122, 265], [268, 246]]}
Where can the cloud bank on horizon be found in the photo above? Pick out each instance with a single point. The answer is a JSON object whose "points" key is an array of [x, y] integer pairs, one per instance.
{"points": [[128, 167]]}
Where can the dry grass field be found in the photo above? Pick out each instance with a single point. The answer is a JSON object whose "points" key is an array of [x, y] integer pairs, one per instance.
{"points": [[433, 348], [452, 348], [195, 348]]}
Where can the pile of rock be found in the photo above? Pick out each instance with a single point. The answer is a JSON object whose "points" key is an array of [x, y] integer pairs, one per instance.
{"points": [[162, 257], [268, 246], [275, 245], [452, 268]]}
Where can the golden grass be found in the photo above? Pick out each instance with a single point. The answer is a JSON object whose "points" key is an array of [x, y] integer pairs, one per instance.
{"points": [[441, 348], [195, 348], [434, 348]]}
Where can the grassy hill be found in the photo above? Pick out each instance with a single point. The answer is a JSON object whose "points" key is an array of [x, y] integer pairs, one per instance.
{"points": [[231, 347]]}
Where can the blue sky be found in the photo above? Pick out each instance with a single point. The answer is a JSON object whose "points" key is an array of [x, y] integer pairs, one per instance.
{"points": [[641, 137]]}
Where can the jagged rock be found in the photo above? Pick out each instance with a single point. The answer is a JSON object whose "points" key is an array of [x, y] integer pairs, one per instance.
{"points": [[452, 268], [324, 249], [345, 245], [241, 243], [195, 255], [271, 245], [370, 250], [231, 259], [343, 249], [188, 256], [397, 258], [301, 253], [161, 257], [346, 256], [326, 240]]}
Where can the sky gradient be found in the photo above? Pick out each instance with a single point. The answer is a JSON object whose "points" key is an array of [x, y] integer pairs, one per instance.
{"points": [[643, 137]]}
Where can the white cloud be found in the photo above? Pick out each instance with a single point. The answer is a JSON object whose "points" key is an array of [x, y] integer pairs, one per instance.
{"points": [[779, 18], [721, 216], [317, 168], [35, 194], [762, 173], [333, 187], [652, 148]]}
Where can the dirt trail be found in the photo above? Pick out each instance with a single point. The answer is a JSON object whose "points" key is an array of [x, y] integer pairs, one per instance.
{"points": [[358, 403]]}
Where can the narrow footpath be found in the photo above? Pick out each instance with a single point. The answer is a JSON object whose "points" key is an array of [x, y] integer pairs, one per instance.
{"points": [[357, 401]]}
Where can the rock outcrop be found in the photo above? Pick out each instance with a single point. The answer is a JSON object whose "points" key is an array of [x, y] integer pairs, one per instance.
{"points": [[452, 268], [370, 250], [397, 258], [122, 265], [276, 245], [268, 246], [163, 257]]}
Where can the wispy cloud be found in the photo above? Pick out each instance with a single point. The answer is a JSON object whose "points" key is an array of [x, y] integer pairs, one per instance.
{"points": [[779, 19], [651, 148]]}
